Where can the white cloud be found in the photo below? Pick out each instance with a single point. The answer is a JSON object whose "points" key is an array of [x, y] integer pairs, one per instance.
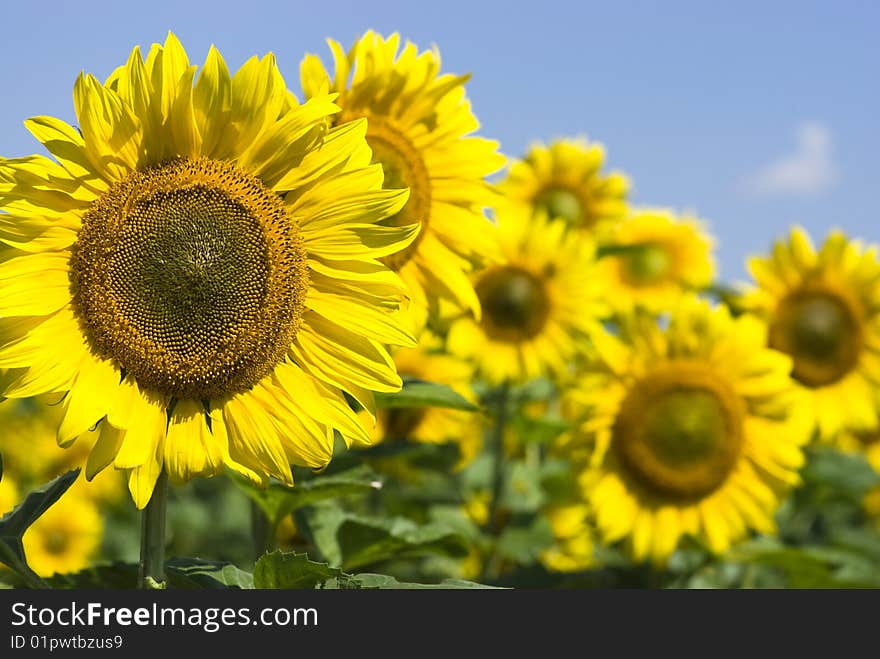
{"points": [[808, 171]]}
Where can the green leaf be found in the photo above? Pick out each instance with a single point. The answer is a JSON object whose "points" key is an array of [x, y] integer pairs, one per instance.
{"points": [[182, 574], [522, 491], [206, 574], [383, 581], [539, 430], [291, 570], [437, 457], [811, 567], [115, 576], [842, 474], [524, 544], [14, 524], [350, 540], [278, 501], [417, 393], [280, 570]]}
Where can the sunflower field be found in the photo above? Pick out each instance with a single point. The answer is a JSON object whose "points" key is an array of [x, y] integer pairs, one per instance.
{"points": [[326, 335]]}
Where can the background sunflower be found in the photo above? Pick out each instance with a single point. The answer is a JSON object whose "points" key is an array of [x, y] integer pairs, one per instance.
{"points": [[653, 258], [565, 180], [539, 303], [823, 308], [694, 429], [419, 123]]}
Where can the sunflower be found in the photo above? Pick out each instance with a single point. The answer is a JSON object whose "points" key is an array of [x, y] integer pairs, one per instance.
{"points": [[653, 258], [565, 180], [66, 537], [9, 494], [30, 449], [572, 548], [433, 425], [538, 303], [197, 271], [418, 126], [823, 308], [693, 429]]}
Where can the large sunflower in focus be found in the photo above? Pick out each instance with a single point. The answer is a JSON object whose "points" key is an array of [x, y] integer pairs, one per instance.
{"points": [[693, 428], [565, 180], [418, 126], [655, 257], [197, 271], [823, 309], [539, 303]]}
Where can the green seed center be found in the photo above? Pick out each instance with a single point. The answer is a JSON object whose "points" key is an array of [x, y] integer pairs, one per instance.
{"points": [[821, 332], [561, 203], [646, 264], [514, 302]]}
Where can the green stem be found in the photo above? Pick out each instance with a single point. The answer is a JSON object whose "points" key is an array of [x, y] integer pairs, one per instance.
{"points": [[260, 531], [152, 569], [494, 523]]}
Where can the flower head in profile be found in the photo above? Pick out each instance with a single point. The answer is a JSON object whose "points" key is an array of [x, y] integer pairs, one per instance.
{"points": [[565, 180], [197, 271], [419, 125], [822, 308], [695, 430]]}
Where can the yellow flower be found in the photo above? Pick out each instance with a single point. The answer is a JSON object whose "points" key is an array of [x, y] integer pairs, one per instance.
{"points": [[65, 538], [564, 180], [538, 303], [695, 430], [433, 425], [418, 126], [823, 309], [197, 271], [661, 257], [572, 549], [30, 450], [9, 494]]}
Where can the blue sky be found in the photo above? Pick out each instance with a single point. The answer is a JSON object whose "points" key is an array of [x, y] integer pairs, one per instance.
{"points": [[754, 115]]}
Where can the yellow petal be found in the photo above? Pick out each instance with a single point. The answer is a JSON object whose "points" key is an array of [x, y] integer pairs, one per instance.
{"points": [[35, 284], [111, 132], [142, 480], [89, 398], [190, 448]]}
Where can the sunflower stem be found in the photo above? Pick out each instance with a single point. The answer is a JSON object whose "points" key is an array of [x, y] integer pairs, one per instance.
{"points": [[260, 531], [152, 569], [494, 523]]}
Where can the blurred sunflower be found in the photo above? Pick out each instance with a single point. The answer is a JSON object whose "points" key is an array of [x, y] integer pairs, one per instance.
{"points": [[66, 537], [197, 271], [564, 180], [9, 494], [418, 126], [655, 258], [433, 425], [694, 430], [823, 309], [538, 303], [30, 449], [572, 549]]}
